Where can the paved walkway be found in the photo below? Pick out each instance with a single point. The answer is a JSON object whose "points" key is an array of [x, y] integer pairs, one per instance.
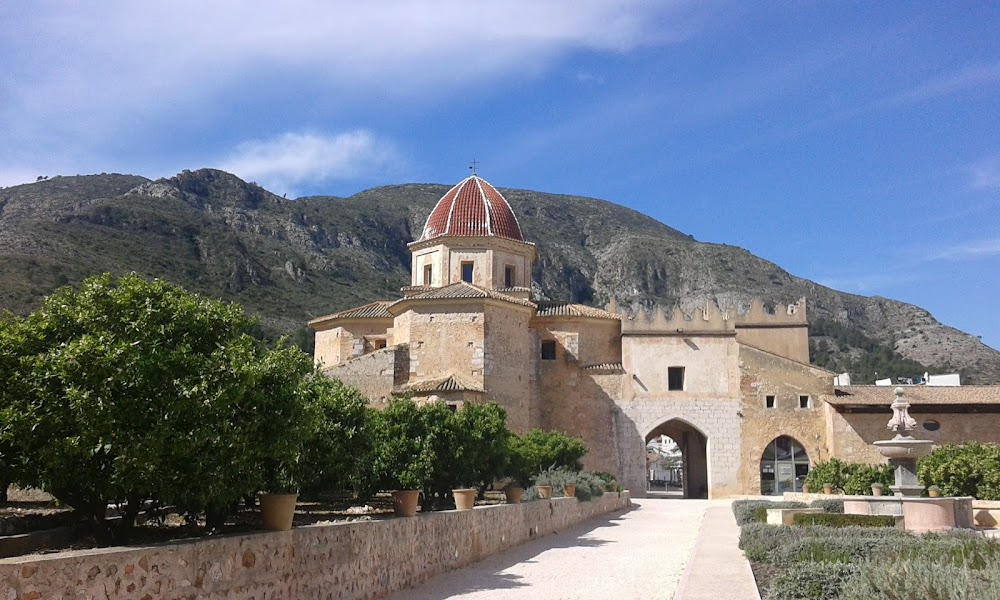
{"points": [[640, 553]]}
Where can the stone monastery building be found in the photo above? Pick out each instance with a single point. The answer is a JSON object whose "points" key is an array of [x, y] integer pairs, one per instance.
{"points": [[733, 388]]}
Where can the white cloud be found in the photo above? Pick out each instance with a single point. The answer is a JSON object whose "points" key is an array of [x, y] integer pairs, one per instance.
{"points": [[293, 159], [975, 250], [985, 173]]}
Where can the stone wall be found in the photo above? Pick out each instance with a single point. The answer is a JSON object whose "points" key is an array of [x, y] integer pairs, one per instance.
{"points": [[374, 374], [344, 560]]}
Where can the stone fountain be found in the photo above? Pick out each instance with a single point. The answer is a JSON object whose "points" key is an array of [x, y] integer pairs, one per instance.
{"points": [[904, 450]]}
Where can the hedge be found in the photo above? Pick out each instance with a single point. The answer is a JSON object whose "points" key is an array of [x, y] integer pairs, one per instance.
{"points": [[838, 520], [810, 581], [923, 578], [765, 543], [745, 511], [829, 505]]}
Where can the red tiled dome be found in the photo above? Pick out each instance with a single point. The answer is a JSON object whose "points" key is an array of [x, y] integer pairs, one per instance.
{"points": [[472, 208]]}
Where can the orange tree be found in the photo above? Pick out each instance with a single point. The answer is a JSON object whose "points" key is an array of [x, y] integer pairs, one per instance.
{"points": [[126, 391]]}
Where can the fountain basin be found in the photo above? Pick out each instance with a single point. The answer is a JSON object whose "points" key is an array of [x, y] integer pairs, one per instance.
{"points": [[901, 448]]}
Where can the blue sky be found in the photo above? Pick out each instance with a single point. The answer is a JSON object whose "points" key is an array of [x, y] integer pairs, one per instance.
{"points": [[855, 144]]}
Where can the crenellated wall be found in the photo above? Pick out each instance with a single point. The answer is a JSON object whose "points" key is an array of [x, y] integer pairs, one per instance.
{"points": [[344, 560]]}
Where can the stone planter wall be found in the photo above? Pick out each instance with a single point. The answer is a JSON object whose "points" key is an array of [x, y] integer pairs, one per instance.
{"points": [[345, 560]]}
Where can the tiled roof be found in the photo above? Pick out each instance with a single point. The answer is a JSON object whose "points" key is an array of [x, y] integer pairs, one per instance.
{"points": [[465, 290], [451, 383], [375, 310], [568, 309], [472, 208], [605, 367], [860, 395]]}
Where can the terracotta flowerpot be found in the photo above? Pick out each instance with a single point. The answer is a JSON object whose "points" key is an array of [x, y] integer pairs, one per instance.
{"points": [[513, 494], [827, 489], [934, 493], [569, 490], [404, 503], [544, 491], [277, 511], [805, 489], [876, 490], [465, 498]]}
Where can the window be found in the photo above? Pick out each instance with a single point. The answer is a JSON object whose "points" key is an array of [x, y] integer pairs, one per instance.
{"points": [[675, 378], [932, 425], [378, 344], [549, 350], [803, 401], [467, 272], [783, 467], [768, 401], [428, 274], [508, 276]]}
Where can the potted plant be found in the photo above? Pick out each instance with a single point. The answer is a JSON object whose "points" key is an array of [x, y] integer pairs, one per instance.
{"points": [[934, 491], [805, 488], [876, 489], [465, 498], [827, 488], [513, 491], [277, 505], [569, 490]]}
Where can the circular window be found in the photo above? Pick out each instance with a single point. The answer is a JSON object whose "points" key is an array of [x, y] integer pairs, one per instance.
{"points": [[932, 425]]}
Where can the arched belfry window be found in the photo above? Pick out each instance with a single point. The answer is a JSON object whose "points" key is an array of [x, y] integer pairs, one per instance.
{"points": [[783, 466]]}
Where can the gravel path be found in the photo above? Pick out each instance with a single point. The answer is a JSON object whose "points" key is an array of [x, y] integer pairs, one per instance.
{"points": [[640, 553]]}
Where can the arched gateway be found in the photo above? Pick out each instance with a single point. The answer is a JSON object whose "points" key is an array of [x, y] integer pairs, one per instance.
{"points": [[693, 445]]}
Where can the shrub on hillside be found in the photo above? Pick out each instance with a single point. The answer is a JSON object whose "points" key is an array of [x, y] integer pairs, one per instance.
{"points": [[971, 469], [810, 581]]}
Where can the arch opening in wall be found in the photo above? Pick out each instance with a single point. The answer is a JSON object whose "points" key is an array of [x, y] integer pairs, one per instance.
{"points": [[783, 466], [682, 453]]}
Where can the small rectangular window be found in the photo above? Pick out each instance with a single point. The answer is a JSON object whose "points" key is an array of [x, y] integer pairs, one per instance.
{"points": [[508, 276], [467, 272], [768, 401], [675, 378], [549, 350], [803, 401], [428, 274]]}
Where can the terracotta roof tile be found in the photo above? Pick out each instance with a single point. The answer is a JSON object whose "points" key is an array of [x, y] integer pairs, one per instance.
{"points": [[568, 309], [465, 290], [451, 383], [472, 208], [374, 310], [605, 367], [860, 395]]}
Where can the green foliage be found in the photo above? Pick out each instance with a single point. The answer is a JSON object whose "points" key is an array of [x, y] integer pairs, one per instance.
{"points": [[861, 477], [538, 450], [745, 511], [765, 543], [127, 390], [403, 459], [926, 578], [587, 484], [970, 469], [830, 505], [482, 446], [810, 581], [338, 454], [835, 520], [833, 471]]}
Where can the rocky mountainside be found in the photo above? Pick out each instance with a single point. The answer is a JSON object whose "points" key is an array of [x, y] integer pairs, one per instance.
{"points": [[291, 260]]}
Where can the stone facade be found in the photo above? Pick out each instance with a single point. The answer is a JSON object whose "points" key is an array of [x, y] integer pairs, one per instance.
{"points": [[344, 560], [729, 385]]}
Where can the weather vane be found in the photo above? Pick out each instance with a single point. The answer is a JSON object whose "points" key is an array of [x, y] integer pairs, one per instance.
{"points": [[474, 165]]}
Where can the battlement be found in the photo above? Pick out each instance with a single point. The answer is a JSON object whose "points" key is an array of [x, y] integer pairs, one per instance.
{"points": [[711, 319]]}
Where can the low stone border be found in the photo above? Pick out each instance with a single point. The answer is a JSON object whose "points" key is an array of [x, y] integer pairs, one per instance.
{"points": [[785, 516], [343, 560]]}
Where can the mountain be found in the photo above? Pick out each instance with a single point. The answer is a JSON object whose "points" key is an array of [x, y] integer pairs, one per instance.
{"points": [[291, 260]]}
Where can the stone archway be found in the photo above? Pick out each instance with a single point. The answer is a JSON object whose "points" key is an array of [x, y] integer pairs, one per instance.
{"points": [[693, 445], [783, 466]]}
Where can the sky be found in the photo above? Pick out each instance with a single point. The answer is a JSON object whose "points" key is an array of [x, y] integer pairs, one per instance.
{"points": [[856, 144]]}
